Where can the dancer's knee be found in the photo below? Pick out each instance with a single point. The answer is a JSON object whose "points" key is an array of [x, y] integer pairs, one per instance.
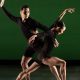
{"points": [[24, 62], [63, 64]]}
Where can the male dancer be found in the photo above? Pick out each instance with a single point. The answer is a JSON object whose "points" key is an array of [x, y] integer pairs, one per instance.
{"points": [[29, 29]]}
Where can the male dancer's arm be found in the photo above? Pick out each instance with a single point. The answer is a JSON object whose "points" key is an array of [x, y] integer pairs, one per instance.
{"points": [[40, 26], [13, 18]]}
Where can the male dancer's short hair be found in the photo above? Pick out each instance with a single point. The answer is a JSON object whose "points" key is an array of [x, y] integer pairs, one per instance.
{"points": [[25, 6]]}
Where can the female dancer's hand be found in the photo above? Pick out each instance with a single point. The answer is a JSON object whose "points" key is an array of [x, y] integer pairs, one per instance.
{"points": [[70, 10]]}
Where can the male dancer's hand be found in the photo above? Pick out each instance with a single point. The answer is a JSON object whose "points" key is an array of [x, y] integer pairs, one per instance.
{"points": [[56, 43], [32, 39], [2, 3]]}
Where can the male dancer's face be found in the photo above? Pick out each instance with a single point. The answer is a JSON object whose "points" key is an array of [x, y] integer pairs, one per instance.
{"points": [[25, 13]]}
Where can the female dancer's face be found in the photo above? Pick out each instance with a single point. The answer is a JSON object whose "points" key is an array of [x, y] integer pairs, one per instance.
{"points": [[60, 30]]}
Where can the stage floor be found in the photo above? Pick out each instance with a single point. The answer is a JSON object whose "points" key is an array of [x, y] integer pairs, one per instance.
{"points": [[10, 72]]}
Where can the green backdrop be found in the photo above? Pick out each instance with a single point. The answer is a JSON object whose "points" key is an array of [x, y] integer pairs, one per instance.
{"points": [[12, 41]]}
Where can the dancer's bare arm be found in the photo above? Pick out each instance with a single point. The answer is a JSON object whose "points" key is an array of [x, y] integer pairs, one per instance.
{"points": [[69, 10]]}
